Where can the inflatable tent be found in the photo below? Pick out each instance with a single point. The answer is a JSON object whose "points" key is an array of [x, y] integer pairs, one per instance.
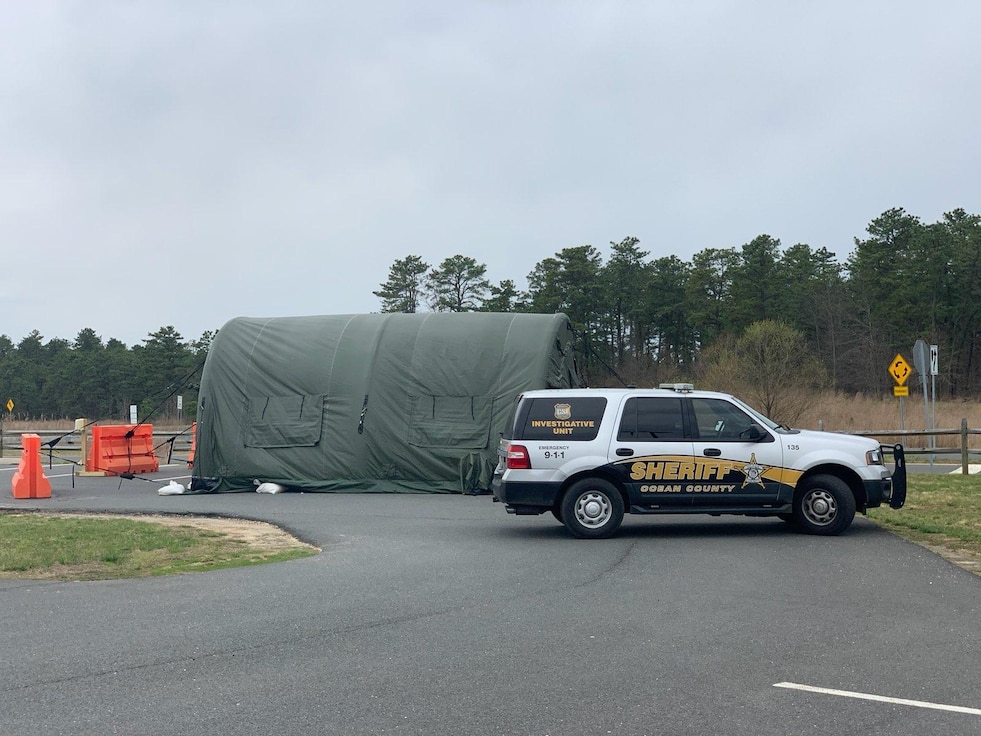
{"points": [[371, 402]]}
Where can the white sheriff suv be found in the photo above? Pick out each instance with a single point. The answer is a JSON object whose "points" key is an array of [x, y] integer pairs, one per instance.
{"points": [[590, 455]]}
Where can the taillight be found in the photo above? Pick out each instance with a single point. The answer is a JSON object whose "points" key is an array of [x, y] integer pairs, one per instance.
{"points": [[518, 458]]}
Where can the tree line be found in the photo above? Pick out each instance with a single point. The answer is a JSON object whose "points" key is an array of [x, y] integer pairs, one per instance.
{"points": [[644, 319], [760, 320], [89, 379]]}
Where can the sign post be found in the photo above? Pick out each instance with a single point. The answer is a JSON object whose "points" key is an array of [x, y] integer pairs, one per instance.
{"points": [[921, 359], [934, 370], [900, 371], [10, 409]]}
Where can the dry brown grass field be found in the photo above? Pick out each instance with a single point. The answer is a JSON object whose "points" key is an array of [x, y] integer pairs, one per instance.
{"points": [[832, 412], [858, 413], [853, 412]]}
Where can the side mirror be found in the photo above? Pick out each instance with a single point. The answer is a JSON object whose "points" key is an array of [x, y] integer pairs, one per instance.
{"points": [[754, 433]]}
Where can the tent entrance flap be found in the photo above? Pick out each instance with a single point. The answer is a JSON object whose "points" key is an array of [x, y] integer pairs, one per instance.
{"points": [[450, 421], [284, 421]]}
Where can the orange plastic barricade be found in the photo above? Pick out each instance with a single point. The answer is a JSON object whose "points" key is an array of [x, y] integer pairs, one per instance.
{"points": [[194, 444], [122, 448], [30, 481]]}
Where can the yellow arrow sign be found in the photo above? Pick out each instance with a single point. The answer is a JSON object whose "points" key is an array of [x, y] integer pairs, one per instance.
{"points": [[10, 404], [899, 370]]}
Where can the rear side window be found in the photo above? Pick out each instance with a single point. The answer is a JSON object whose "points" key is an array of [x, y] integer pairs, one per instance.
{"points": [[649, 419], [564, 418]]}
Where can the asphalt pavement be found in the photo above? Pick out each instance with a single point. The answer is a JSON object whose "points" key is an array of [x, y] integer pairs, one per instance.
{"points": [[441, 614]]}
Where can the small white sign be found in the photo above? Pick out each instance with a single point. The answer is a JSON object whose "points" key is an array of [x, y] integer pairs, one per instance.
{"points": [[132, 413], [180, 403], [934, 360]]}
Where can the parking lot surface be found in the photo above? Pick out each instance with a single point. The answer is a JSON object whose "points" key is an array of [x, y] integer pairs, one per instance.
{"points": [[440, 614]]}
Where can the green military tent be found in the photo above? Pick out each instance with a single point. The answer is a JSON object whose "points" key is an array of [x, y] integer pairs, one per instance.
{"points": [[370, 402]]}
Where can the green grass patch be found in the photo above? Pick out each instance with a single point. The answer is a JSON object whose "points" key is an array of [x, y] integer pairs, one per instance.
{"points": [[86, 548], [940, 511]]}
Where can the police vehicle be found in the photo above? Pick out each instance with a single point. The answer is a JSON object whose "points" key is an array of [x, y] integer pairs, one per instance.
{"points": [[590, 455]]}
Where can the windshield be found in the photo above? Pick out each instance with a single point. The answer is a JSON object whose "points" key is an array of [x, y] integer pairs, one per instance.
{"points": [[756, 415]]}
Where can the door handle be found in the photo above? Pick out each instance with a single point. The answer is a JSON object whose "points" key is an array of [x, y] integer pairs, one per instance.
{"points": [[711, 452], [624, 451]]}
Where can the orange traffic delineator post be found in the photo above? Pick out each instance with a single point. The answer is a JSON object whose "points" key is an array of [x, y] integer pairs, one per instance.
{"points": [[30, 481], [122, 448], [194, 444], [80, 468]]}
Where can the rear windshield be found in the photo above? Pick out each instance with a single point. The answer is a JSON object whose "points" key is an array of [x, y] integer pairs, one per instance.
{"points": [[561, 418]]}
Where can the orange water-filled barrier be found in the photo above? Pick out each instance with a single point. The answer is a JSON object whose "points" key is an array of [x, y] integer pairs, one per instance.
{"points": [[122, 448], [30, 481]]}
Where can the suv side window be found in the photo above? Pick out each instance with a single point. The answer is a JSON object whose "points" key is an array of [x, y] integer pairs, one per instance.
{"points": [[571, 418], [720, 420], [647, 419]]}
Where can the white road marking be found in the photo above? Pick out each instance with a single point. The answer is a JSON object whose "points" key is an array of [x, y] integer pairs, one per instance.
{"points": [[879, 698], [972, 469]]}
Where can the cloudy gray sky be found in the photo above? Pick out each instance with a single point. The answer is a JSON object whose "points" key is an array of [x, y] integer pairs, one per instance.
{"points": [[182, 163]]}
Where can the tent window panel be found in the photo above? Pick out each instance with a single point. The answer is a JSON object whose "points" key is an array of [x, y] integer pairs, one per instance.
{"points": [[284, 421], [450, 422]]}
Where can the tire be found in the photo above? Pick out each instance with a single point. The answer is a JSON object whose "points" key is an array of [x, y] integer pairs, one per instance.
{"points": [[592, 508], [557, 513], [824, 505], [789, 518]]}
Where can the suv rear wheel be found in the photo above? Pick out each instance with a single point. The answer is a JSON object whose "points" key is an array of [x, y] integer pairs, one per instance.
{"points": [[824, 504], [592, 508]]}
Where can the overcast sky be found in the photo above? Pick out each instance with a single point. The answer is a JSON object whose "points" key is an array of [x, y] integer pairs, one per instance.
{"points": [[185, 162]]}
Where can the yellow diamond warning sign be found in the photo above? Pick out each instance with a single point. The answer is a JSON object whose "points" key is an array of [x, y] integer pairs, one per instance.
{"points": [[899, 370], [10, 404]]}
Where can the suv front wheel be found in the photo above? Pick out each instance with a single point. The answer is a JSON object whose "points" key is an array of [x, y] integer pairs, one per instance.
{"points": [[824, 504], [592, 508]]}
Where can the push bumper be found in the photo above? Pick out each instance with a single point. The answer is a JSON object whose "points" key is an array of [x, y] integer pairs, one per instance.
{"points": [[898, 478], [890, 489]]}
